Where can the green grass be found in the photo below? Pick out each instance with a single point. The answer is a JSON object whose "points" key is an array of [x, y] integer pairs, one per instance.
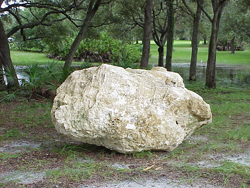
{"points": [[182, 54], [4, 156], [27, 58], [12, 133], [230, 108], [229, 168], [74, 171]]}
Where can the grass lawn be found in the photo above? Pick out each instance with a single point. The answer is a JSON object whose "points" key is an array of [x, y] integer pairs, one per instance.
{"points": [[28, 58], [181, 54]]}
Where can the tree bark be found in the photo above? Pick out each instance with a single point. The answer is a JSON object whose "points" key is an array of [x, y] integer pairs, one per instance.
{"points": [[90, 14], [146, 34], [211, 62], [170, 36], [5, 61], [161, 56], [2, 83], [195, 43]]}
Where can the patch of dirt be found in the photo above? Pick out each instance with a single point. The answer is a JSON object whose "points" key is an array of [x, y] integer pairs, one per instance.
{"points": [[19, 146], [22, 177], [156, 183]]}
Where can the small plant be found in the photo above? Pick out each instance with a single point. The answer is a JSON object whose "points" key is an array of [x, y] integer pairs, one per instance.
{"points": [[143, 154], [8, 97], [44, 80]]}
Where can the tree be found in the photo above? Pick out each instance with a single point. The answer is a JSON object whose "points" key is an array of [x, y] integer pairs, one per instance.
{"points": [[5, 59], [160, 28], [217, 7], [16, 9], [92, 9], [159, 21], [170, 35], [236, 24], [195, 41], [146, 34]]}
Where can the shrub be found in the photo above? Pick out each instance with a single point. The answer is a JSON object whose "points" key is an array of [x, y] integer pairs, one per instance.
{"points": [[104, 50]]}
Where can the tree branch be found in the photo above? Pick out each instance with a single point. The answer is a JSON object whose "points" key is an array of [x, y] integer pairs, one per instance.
{"points": [[188, 8], [203, 10]]}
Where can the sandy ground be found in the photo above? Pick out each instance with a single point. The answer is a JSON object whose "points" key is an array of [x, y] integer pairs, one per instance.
{"points": [[25, 178]]}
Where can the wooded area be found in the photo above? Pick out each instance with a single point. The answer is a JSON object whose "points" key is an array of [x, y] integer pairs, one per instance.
{"points": [[59, 27]]}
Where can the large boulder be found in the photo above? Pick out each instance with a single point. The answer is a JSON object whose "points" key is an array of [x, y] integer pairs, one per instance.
{"points": [[128, 110]]}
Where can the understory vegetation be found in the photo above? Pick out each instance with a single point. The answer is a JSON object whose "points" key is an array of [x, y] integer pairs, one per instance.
{"points": [[103, 49]]}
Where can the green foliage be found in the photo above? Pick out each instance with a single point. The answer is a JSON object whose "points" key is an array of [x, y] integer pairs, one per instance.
{"points": [[43, 80], [143, 154], [114, 50], [8, 97], [104, 50], [30, 45], [60, 48]]}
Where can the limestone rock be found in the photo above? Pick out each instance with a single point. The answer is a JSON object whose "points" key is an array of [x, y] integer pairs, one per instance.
{"points": [[128, 110]]}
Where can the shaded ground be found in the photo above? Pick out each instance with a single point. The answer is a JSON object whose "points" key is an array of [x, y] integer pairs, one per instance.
{"points": [[33, 154]]}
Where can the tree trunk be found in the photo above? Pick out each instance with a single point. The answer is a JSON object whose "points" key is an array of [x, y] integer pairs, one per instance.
{"points": [[161, 56], [211, 62], [205, 40], [195, 43], [137, 40], [90, 14], [232, 45], [2, 83], [170, 36], [146, 34], [5, 61]]}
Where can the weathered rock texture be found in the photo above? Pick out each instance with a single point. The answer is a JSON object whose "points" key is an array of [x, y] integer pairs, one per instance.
{"points": [[128, 109]]}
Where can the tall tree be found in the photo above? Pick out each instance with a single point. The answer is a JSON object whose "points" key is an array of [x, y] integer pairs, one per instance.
{"points": [[135, 11], [146, 34], [5, 59], [16, 10], [92, 9], [195, 41], [170, 35], [236, 24], [217, 6], [160, 28]]}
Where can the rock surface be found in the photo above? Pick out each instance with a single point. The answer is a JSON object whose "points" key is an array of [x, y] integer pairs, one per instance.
{"points": [[128, 110]]}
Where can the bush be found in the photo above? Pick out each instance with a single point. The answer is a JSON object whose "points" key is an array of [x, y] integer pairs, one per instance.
{"points": [[104, 50]]}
